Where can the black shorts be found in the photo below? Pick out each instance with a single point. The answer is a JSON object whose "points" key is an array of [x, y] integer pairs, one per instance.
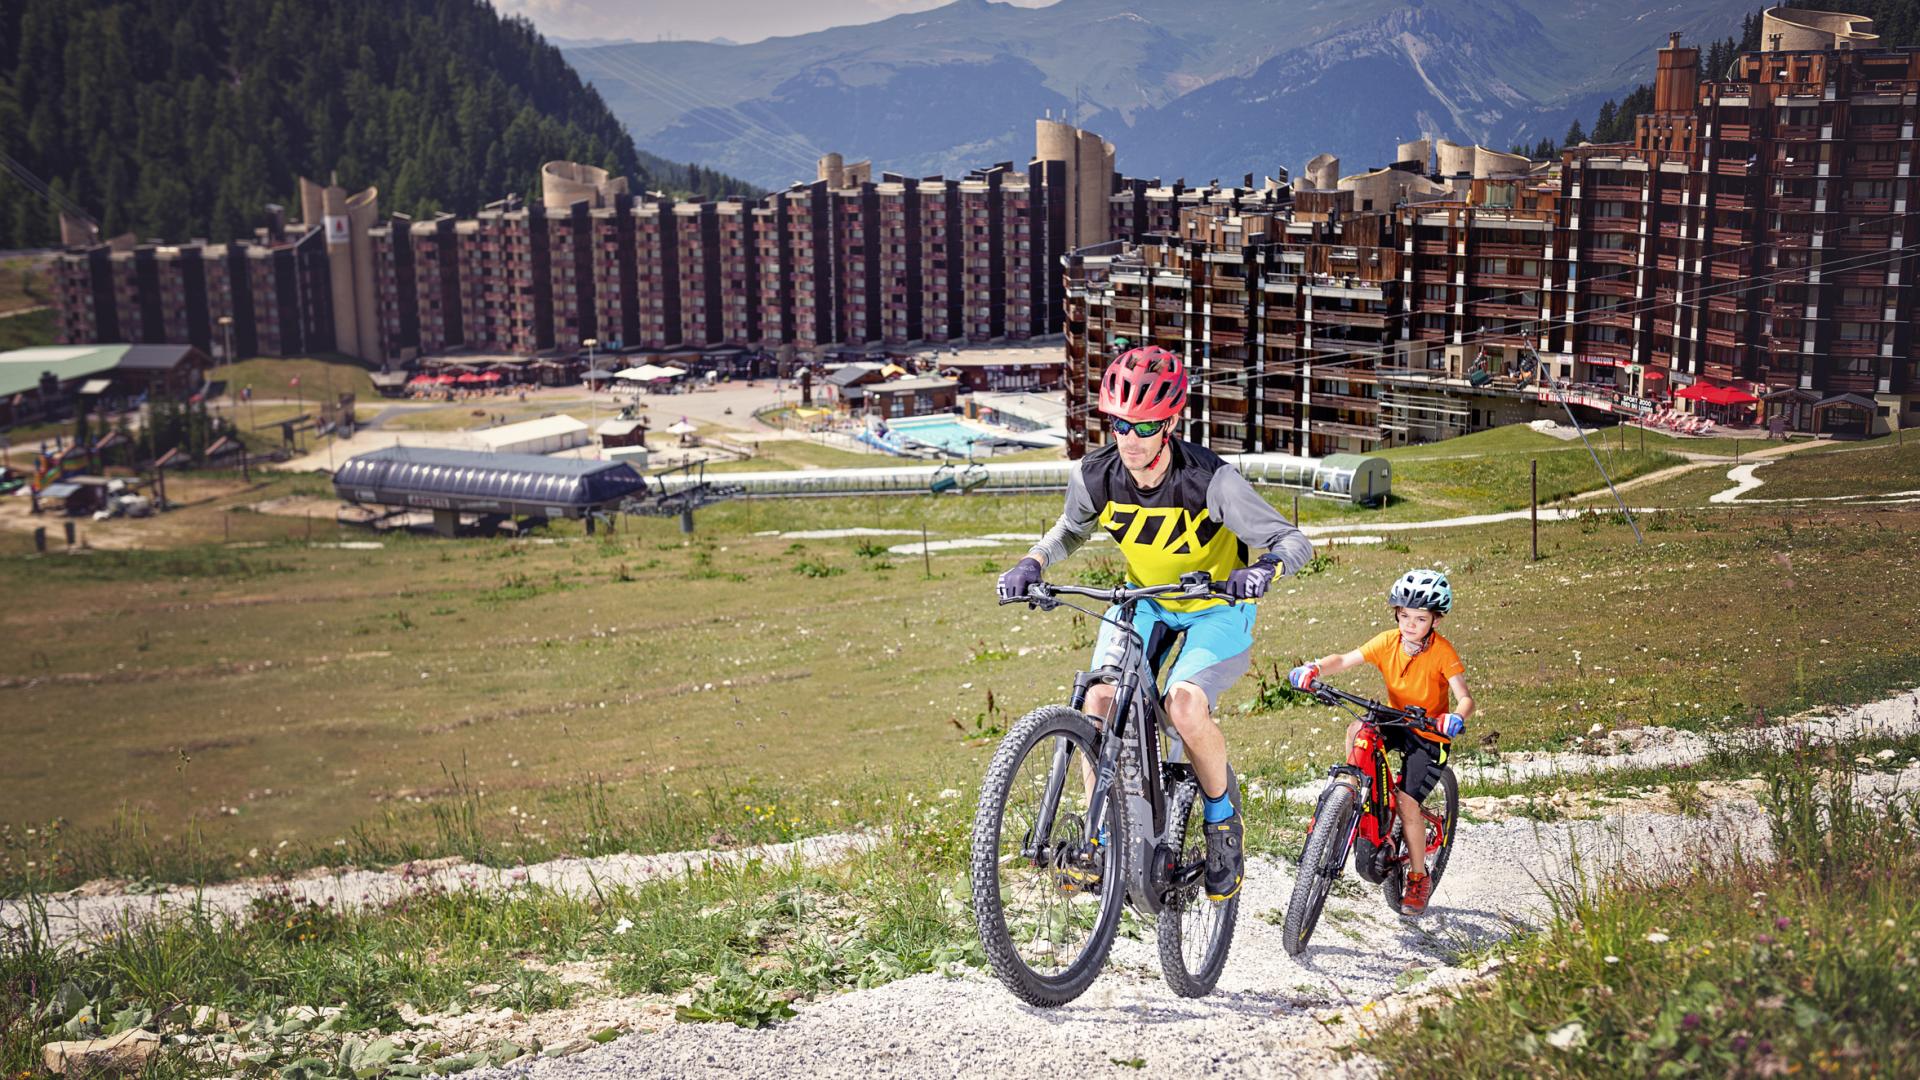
{"points": [[1420, 762]]}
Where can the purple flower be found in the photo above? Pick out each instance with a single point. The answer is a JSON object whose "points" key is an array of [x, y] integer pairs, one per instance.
{"points": [[1739, 1043], [1782, 923], [1763, 939], [1690, 1021]]}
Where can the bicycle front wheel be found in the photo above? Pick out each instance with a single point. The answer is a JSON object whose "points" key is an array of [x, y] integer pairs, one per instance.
{"points": [[1320, 863], [1046, 895], [1195, 933]]}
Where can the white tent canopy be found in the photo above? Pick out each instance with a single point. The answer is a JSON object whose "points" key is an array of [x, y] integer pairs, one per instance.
{"points": [[682, 428], [649, 373]]}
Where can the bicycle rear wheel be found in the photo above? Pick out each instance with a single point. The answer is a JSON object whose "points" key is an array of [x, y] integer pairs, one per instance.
{"points": [[1046, 897], [1444, 801], [1195, 933], [1320, 863]]}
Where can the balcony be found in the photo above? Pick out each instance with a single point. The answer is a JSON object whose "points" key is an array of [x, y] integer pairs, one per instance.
{"points": [[1170, 305], [1734, 237], [1854, 347], [1852, 241], [1345, 401], [1493, 309], [1612, 225], [1280, 421], [1731, 167], [1434, 247], [1873, 169], [1627, 192], [1874, 132], [1726, 339], [1336, 317], [1228, 338], [1433, 277], [1230, 311], [1866, 206], [1735, 132], [1524, 251], [1798, 133], [1793, 204], [1334, 427], [1611, 256], [1855, 313], [1672, 196], [1731, 200]]}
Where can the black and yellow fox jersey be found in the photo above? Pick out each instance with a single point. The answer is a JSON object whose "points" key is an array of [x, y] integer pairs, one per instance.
{"points": [[1202, 516]]}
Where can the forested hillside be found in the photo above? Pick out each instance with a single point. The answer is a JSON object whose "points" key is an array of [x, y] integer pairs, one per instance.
{"points": [[180, 118]]}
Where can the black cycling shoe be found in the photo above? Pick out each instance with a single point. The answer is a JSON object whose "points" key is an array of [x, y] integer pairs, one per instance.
{"points": [[1226, 862]]}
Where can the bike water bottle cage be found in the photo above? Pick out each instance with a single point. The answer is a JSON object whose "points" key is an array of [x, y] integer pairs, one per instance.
{"points": [[1145, 429]]}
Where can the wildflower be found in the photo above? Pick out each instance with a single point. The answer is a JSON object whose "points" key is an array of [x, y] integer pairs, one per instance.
{"points": [[624, 925], [1658, 938], [1782, 923], [1612, 959], [1568, 1036]]}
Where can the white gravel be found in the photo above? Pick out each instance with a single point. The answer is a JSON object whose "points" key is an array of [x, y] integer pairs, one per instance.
{"points": [[1271, 1016], [90, 910]]}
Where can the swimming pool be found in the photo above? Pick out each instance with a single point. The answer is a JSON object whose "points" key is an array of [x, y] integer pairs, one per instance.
{"points": [[952, 436]]}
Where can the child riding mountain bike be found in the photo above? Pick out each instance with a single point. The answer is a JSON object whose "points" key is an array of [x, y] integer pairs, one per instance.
{"points": [[1173, 507], [1421, 668]]}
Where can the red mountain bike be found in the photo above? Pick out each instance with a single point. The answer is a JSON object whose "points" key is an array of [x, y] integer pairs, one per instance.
{"points": [[1357, 813]]}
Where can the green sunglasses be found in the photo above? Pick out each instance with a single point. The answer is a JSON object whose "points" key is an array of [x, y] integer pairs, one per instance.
{"points": [[1146, 429]]}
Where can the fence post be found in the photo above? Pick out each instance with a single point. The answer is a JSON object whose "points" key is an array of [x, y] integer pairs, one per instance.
{"points": [[1535, 500], [1296, 509], [926, 557]]}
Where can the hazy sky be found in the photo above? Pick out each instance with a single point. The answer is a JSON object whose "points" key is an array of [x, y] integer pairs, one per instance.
{"points": [[738, 20]]}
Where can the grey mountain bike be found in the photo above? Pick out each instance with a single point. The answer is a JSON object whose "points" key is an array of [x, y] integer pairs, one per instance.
{"points": [[1078, 819]]}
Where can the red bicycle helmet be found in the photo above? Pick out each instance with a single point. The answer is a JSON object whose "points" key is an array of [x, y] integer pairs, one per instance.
{"points": [[1147, 383]]}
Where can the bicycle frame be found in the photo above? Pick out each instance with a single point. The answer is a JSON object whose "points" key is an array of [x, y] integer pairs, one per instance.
{"points": [[1373, 773], [1129, 764]]}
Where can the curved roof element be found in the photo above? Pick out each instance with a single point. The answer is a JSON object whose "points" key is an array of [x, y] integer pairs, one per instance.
{"points": [[480, 482]]}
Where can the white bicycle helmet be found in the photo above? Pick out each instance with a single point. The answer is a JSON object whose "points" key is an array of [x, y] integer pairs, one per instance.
{"points": [[1426, 589]]}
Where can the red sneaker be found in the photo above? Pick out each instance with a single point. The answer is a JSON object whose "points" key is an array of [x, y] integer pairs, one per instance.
{"points": [[1418, 891]]}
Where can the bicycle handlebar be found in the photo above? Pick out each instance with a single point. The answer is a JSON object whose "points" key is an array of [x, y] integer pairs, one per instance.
{"points": [[1415, 717], [1197, 585]]}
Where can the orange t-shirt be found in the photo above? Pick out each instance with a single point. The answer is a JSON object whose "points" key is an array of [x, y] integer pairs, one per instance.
{"points": [[1414, 680]]}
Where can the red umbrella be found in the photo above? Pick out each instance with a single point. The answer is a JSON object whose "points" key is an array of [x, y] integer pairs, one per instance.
{"points": [[468, 378], [420, 380], [1729, 395], [442, 380], [1695, 392], [488, 376]]}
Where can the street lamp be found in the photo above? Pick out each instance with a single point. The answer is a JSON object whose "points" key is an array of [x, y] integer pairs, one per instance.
{"points": [[593, 403]]}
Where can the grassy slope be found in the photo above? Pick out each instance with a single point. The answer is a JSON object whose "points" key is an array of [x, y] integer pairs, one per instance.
{"points": [[347, 682], [1882, 466], [1807, 964], [24, 331], [23, 284]]}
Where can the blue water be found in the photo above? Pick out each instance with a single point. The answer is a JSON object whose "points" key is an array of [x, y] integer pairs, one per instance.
{"points": [[948, 435]]}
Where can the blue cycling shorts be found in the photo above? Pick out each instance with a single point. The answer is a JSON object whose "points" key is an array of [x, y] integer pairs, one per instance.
{"points": [[1218, 648]]}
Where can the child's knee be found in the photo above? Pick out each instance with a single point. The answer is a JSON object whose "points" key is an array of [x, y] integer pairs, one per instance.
{"points": [[1353, 730]]}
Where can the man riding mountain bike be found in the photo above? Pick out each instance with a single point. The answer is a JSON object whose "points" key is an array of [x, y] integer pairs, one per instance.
{"points": [[1173, 508]]}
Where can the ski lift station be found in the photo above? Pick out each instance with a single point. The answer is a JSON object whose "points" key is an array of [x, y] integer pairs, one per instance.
{"points": [[495, 487]]}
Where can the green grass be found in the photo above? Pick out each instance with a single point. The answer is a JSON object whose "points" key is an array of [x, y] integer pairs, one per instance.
{"points": [[269, 378], [1807, 964], [26, 331], [23, 284], [1488, 471], [279, 683], [742, 941], [1883, 466]]}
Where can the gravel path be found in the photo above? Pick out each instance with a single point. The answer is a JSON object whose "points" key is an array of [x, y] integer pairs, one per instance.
{"points": [[1271, 1016], [90, 910]]}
